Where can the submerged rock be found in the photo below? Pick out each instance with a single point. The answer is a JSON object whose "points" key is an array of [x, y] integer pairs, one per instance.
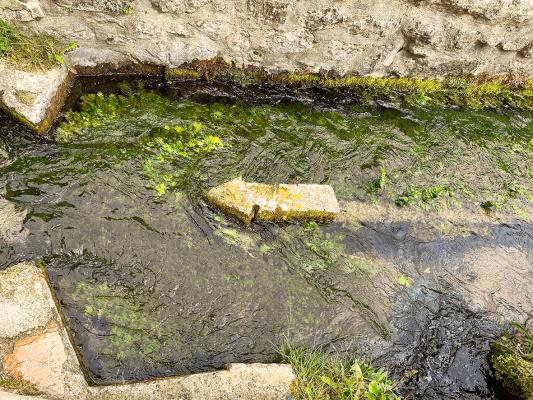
{"points": [[247, 201], [11, 221]]}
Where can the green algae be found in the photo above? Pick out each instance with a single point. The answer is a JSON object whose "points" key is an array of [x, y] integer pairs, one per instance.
{"points": [[435, 145], [114, 152], [424, 195], [467, 92], [19, 386], [375, 185], [132, 332], [512, 359], [236, 237]]}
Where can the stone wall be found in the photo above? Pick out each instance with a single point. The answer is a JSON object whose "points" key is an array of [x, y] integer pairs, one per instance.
{"points": [[378, 37]]}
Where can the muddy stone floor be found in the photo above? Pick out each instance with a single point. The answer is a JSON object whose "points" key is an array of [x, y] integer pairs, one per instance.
{"points": [[415, 274]]}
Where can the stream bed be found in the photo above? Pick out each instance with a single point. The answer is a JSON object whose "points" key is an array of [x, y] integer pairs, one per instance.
{"points": [[428, 262]]}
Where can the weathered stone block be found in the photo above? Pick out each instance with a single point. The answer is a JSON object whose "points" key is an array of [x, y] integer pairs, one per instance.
{"points": [[247, 201]]}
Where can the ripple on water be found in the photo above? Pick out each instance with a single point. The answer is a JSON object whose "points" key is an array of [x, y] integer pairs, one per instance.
{"points": [[153, 282]]}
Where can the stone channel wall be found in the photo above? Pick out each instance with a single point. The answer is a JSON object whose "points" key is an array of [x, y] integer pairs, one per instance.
{"points": [[377, 37]]}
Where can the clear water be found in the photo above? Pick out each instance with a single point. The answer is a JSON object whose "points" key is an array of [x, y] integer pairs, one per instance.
{"points": [[154, 282]]}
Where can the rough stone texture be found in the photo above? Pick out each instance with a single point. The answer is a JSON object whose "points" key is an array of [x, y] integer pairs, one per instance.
{"points": [[11, 222], [40, 359], [24, 300], [281, 202], [22, 10], [238, 381], [12, 396], [113, 6], [33, 96], [383, 37], [40, 353]]}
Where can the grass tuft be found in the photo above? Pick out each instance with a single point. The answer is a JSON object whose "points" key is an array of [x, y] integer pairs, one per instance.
{"points": [[31, 53], [320, 376]]}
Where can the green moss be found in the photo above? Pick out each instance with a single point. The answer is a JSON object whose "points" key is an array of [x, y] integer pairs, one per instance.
{"points": [[508, 192], [465, 92], [404, 281], [31, 53], [374, 186], [127, 10], [181, 73], [512, 361], [19, 386], [320, 376]]}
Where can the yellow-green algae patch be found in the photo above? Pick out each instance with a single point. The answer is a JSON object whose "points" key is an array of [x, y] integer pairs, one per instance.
{"points": [[464, 91], [279, 202]]}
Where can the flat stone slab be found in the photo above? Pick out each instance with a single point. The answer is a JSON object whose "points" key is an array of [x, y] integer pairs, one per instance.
{"points": [[282, 202]]}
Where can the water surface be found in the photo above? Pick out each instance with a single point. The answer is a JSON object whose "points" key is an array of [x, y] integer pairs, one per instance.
{"points": [[154, 282]]}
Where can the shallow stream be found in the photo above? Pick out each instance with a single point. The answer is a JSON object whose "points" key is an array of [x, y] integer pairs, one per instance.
{"points": [[153, 282]]}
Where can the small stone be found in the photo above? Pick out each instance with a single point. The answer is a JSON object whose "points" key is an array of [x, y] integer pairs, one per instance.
{"points": [[282, 202], [24, 300], [39, 359], [11, 222], [512, 45]]}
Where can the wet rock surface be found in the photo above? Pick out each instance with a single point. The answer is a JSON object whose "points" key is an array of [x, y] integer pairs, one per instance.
{"points": [[278, 202], [11, 222], [33, 97]]}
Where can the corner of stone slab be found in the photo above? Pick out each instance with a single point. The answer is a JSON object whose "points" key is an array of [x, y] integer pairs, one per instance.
{"points": [[38, 106]]}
